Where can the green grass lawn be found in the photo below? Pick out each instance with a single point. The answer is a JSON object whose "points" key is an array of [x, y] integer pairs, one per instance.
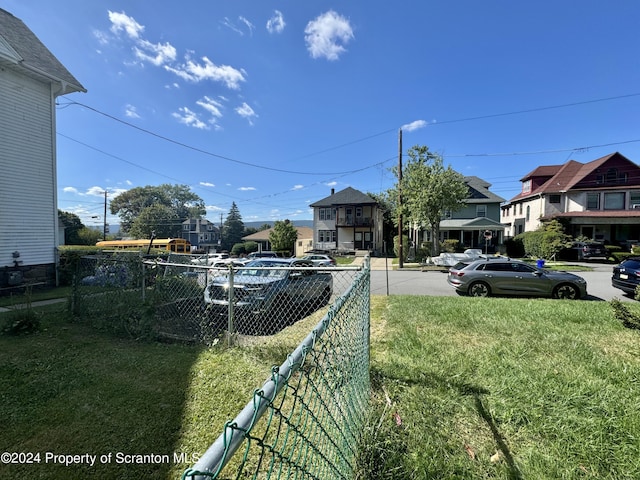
{"points": [[462, 388]]}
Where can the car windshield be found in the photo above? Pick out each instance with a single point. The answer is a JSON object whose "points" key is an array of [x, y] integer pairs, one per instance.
{"points": [[250, 270]]}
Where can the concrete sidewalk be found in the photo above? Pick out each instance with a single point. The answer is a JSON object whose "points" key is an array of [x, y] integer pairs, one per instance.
{"points": [[39, 303]]}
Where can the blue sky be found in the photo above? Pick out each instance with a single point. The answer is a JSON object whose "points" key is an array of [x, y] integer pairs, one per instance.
{"points": [[270, 104]]}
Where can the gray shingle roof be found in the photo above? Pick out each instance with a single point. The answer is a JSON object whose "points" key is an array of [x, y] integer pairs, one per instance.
{"points": [[21, 49], [348, 196]]}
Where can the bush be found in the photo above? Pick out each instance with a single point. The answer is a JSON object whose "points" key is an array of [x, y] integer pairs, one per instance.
{"points": [[515, 247], [405, 247], [450, 246]]}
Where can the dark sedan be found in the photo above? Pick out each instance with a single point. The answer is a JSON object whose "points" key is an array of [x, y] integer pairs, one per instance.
{"points": [[626, 275]]}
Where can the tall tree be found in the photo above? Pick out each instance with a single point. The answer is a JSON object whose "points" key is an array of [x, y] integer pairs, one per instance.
{"points": [[429, 189], [178, 199], [283, 237], [232, 229], [72, 226], [158, 220]]}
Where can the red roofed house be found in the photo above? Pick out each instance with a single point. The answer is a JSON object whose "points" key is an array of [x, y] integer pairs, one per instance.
{"points": [[599, 199]]}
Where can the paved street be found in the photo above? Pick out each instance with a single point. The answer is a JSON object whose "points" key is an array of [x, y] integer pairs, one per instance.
{"points": [[416, 282]]}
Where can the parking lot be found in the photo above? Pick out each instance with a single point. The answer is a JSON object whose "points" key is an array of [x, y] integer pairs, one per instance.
{"points": [[415, 282]]}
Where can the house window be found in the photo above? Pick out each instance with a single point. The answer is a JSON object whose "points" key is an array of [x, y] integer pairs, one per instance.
{"points": [[520, 213], [481, 210], [593, 201], [528, 213], [554, 198], [326, 214], [326, 236], [634, 199], [526, 186], [614, 201], [185, 227], [447, 213]]}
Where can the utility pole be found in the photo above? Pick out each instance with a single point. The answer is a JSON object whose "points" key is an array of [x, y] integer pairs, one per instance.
{"points": [[400, 261]]}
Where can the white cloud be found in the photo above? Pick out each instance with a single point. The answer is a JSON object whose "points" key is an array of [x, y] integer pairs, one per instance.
{"points": [[326, 35], [207, 184], [247, 189], [297, 187], [415, 125], [95, 192], [189, 118], [70, 190], [213, 208], [130, 111], [331, 184], [208, 70], [122, 22], [156, 53], [245, 111], [276, 23], [103, 38], [249, 25], [212, 106]]}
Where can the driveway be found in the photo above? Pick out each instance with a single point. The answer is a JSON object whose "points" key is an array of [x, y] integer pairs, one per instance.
{"points": [[416, 282]]}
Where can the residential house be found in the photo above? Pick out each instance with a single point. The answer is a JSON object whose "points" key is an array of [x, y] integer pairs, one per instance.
{"points": [[31, 78], [202, 234], [348, 220], [599, 199], [304, 243], [477, 224]]}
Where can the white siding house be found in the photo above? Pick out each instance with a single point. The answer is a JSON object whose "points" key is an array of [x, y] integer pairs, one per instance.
{"points": [[30, 80]]}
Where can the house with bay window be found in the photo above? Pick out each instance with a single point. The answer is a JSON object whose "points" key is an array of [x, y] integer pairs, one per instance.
{"points": [[348, 221], [599, 200]]}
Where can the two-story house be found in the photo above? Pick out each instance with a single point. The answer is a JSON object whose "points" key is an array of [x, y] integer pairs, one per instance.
{"points": [[202, 234], [476, 225], [31, 78], [348, 220], [599, 199]]}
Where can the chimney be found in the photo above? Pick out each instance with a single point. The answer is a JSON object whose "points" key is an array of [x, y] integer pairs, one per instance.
{"points": [[333, 190]]}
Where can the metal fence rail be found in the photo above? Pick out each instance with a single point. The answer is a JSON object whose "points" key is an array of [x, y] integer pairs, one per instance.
{"points": [[306, 419]]}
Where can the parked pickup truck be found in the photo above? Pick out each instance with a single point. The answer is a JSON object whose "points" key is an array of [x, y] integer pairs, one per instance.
{"points": [[268, 294]]}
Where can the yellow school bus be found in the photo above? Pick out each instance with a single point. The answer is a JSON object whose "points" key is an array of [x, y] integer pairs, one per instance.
{"points": [[177, 245]]}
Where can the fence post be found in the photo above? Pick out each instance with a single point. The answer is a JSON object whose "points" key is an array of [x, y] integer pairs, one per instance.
{"points": [[231, 300], [144, 282]]}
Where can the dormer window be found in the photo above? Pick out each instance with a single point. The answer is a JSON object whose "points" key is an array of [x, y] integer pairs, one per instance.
{"points": [[526, 186]]}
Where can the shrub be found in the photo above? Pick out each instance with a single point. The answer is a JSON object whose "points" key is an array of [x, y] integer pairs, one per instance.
{"points": [[515, 247], [405, 247], [450, 245]]}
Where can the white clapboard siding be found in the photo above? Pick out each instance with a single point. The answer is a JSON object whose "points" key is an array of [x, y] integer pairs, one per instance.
{"points": [[28, 214]]}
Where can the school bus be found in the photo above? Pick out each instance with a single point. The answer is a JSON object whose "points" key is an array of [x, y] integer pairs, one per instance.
{"points": [[177, 245]]}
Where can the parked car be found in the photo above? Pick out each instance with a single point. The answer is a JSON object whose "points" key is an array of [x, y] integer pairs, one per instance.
{"points": [[626, 275], [269, 294], [263, 254], [504, 276], [209, 258], [320, 260], [590, 251]]}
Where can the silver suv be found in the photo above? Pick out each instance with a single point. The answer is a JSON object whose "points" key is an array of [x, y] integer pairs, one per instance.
{"points": [[504, 276], [268, 294]]}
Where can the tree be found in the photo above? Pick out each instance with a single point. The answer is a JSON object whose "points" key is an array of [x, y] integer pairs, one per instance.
{"points": [[72, 225], [180, 201], [546, 241], [89, 236], [283, 237], [158, 220], [428, 190], [388, 205], [232, 229]]}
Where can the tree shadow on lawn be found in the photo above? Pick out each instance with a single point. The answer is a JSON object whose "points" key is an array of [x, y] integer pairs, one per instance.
{"points": [[430, 381]]}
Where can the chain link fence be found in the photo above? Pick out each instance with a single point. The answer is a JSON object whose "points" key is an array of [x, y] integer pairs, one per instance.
{"points": [[306, 420], [178, 298]]}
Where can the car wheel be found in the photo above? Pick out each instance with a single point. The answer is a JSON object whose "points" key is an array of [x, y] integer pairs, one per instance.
{"points": [[479, 289], [566, 291]]}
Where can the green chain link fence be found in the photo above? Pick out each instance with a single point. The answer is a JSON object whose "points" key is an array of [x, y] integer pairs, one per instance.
{"points": [[306, 420]]}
